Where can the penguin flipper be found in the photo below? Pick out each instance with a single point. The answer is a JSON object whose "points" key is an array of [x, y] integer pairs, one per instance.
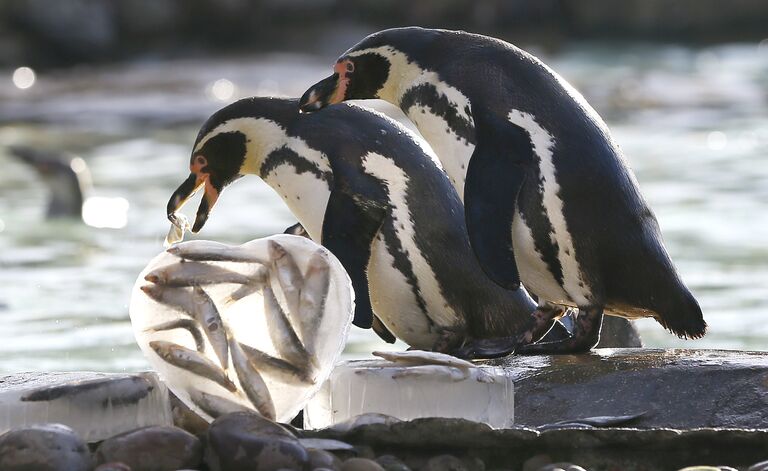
{"points": [[382, 331], [495, 176], [348, 232]]}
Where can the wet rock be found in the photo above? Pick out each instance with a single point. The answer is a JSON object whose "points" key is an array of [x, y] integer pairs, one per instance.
{"points": [[113, 467], [392, 463], [47, 447], [324, 460], [445, 463], [761, 466], [535, 462], [361, 464], [245, 441], [700, 468], [729, 388], [152, 449]]}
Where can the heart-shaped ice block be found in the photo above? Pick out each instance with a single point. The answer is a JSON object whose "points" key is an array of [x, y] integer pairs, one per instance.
{"points": [[255, 326]]}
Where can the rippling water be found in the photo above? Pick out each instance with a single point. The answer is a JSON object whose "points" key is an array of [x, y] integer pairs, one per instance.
{"points": [[693, 123]]}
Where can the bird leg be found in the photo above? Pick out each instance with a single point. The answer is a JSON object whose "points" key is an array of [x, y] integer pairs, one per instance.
{"points": [[540, 322], [586, 334]]}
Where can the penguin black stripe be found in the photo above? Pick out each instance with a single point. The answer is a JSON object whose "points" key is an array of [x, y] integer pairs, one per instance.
{"points": [[284, 155], [426, 94]]}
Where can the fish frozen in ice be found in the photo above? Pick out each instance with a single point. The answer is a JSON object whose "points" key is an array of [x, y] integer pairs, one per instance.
{"points": [[214, 405], [200, 306], [283, 336], [104, 391], [251, 381], [192, 361], [288, 275], [210, 251], [194, 273], [312, 299], [189, 325], [277, 367]]}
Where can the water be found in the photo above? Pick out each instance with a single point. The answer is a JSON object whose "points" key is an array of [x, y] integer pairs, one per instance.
{"points": [[693, 123]]}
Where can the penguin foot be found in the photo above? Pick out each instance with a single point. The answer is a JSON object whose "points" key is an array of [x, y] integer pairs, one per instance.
{"points": [[449, 338], [585, 335], [478, 349]]}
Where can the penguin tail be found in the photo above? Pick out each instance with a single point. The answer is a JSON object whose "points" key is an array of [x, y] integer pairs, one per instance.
{"points": [[684, 317]]}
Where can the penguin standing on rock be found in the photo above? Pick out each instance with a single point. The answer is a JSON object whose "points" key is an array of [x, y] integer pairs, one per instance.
{"points": [[549, 199], [364, 187]]}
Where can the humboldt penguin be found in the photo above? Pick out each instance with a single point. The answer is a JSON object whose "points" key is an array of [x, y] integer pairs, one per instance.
{"points": [[372, 193], [549, 198]]}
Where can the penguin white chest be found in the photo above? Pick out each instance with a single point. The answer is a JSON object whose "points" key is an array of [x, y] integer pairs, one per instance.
{"points": [[454, 151], [305, 194], [534, 272]]}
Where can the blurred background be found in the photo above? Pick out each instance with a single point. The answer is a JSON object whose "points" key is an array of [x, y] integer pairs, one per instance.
{"points": [[124, 85]]}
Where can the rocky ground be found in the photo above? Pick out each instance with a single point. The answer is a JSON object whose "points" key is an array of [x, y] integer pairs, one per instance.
{"points": [[245, 442]]}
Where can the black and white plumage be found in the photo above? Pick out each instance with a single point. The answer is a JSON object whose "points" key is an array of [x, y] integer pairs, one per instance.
{"points": [[366, 188], [549, 199]]}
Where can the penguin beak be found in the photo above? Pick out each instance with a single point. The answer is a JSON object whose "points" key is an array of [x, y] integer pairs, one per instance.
{"points": [[185, 191], [325, 92]]}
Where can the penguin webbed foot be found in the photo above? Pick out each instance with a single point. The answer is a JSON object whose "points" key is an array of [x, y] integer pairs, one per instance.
{"points": [[585, 335]]}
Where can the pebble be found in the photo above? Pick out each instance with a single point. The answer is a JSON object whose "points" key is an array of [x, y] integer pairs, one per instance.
{"points": [[243, 441], [112, 466], [46, 447], [361, 464], [152, 449], [321, 459], [761, 466], [445, 463], [562, 467], [392, 463]]}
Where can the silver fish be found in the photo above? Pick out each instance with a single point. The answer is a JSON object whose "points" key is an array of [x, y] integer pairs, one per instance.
{"points": [[201, 307], [214, 405], [208, 315], [281, 332], [288, 275], [422, 357], [253, 384], [183, 323], [209, 251], [194, 273], [105, 391], [258, 280], [312, 299], [277, 367], [192, 361]]}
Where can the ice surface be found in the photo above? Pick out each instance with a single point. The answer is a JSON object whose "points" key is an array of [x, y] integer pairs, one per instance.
{"points": [[284, 309], [95, 405], [406, 390]]}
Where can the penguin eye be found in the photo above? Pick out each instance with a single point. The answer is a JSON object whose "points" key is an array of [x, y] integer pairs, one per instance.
{"points": [[201, 160], [350, 66]]}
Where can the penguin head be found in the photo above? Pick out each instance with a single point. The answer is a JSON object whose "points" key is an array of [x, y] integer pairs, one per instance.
{"points": [[232, 143], [373, 68]]}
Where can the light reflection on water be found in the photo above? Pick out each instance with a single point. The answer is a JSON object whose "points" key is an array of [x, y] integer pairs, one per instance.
{"points": [[693, 124]]}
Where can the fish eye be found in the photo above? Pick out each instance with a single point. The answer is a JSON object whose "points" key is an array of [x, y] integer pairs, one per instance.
{"points": [[350, 66]]}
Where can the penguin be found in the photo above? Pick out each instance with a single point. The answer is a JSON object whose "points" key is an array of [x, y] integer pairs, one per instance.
{"points": [[375, 195], [549, 198], [66, 178]]}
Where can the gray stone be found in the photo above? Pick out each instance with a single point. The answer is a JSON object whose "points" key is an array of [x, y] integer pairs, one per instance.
{"points": [[112, 466], [242, 441], [323, 459], [392, 463], [47, 447], [152, 449], [361, 464], [730, 389], [445, 463]]}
